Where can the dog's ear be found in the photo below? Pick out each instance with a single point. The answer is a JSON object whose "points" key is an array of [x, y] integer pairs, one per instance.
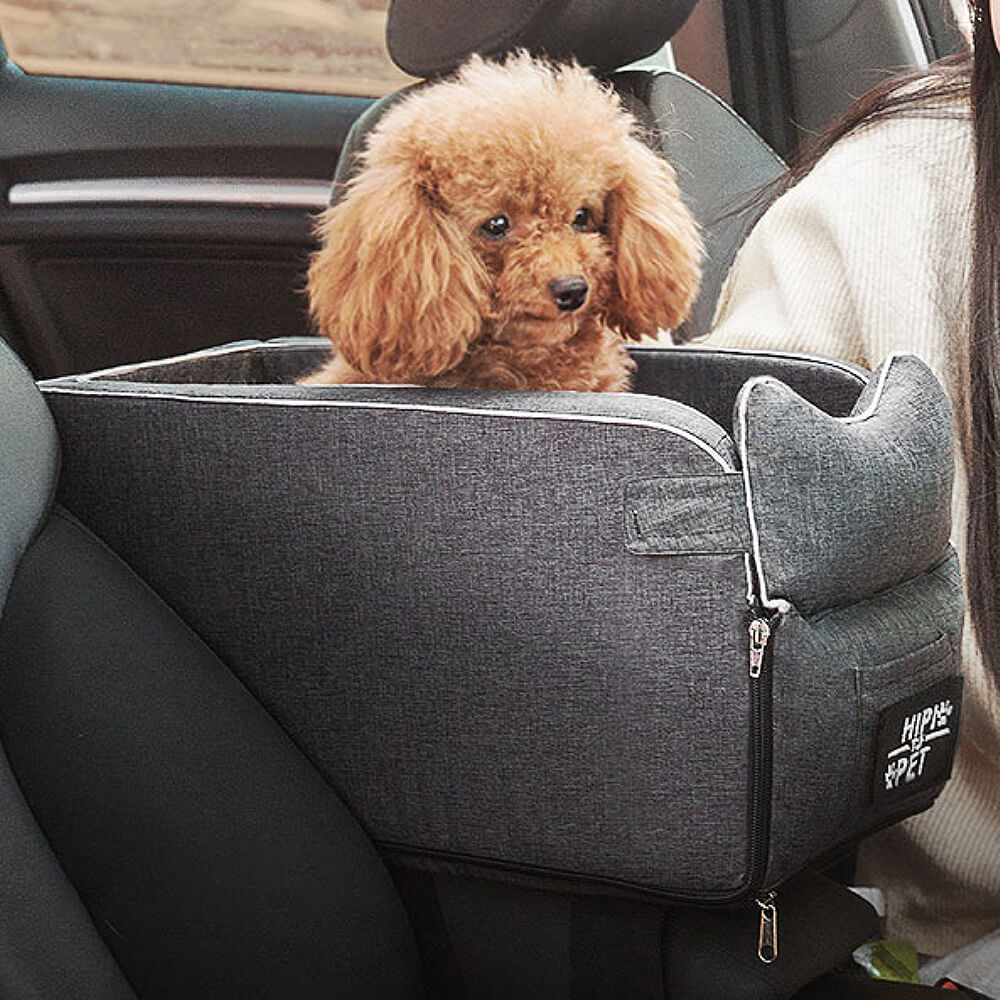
{"points": [[395, 286], [657, 246]]}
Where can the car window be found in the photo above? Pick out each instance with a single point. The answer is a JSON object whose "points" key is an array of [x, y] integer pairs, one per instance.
{"points": [[332, 46]]}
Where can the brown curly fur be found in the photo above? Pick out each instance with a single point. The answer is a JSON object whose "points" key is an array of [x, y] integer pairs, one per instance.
{"points": [[408, 288]]}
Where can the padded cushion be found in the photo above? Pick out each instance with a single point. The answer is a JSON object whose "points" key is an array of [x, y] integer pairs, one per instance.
{"points": [[214, 859], [866, 497], [431, 37], [29, 462], [710, 378]]}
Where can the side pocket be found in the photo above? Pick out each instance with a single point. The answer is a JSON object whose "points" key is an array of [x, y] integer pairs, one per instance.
{"points": [[908, 719]]}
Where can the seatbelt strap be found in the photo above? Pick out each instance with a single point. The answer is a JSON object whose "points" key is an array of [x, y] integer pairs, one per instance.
{"points": [[760, 69], [442, 971]]}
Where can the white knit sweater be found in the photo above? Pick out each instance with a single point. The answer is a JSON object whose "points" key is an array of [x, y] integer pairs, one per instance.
{"points": [[869, 254]]}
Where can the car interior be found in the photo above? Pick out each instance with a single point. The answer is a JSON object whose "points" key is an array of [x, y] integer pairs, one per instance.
{"points": [[185, 783]]}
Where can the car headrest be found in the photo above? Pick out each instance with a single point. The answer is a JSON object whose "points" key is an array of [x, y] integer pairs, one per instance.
{"points": [[428, 38]]}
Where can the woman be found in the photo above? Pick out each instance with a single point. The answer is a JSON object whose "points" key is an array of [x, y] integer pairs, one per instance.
{"points": [[887, 240]]}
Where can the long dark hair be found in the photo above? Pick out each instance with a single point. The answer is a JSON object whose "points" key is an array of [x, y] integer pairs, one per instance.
{"points": [[950, 87], [940, 89], [980, 421]]}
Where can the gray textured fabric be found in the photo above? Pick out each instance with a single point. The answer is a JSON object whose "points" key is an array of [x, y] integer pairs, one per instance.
{"points": [[511, 628], [441, 609], [709, 379], [436, 611], [248, 373], [29, 463], [833, 676], [867, 498], [684, 515]]}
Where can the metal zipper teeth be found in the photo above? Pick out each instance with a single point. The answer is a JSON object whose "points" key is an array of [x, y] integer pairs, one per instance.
{"points": [[761, 757]]}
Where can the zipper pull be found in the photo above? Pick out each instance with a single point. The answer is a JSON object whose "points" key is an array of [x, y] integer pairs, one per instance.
{"points": [[760, 632], [767, 935]]}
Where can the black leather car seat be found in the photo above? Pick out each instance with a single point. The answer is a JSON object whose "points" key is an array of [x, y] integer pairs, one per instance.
{"points": [[721, 163], [162, 836]]}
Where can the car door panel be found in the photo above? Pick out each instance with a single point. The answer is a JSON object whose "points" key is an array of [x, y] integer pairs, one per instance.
{"points": [[139, 220]]}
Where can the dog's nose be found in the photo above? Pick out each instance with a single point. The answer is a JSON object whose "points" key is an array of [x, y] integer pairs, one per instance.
{"points": [[569, 292]]}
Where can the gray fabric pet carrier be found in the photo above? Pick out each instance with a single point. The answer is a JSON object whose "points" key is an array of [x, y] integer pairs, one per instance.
{"points": [[682, 642]]}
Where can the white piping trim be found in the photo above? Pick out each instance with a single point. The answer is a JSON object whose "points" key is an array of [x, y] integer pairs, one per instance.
{"points": [[305, 341], [827, 362], [748, 569], [71, 390], [883, 378], [259, 192], [741, 410]]}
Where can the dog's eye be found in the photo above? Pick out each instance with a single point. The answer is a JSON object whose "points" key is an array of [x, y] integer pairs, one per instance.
{"points": [[583, 219], [496, 228]]}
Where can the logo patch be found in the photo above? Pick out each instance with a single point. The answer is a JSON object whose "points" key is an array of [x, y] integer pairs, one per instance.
{"points": [[916, 740]]}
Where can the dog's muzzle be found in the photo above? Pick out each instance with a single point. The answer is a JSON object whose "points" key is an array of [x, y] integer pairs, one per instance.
{"points": [[569, 292]]}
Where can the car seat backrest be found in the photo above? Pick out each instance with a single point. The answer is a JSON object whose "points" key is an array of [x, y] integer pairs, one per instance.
{"points": [[430, 38], [723, 167], [48, 943], [162, 836], [939, 24], [721, 162], [839, 49]]}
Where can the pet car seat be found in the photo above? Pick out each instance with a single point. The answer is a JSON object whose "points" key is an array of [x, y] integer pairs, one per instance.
{"points": [[162, 837], [575, 643], [722, 164]]}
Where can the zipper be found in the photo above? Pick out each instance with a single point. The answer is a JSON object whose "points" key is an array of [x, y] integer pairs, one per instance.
{"points": [[767, 934], [761, 631]]}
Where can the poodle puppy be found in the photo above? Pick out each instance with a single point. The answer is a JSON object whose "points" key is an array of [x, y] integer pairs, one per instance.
{"points": [[507, 230]]}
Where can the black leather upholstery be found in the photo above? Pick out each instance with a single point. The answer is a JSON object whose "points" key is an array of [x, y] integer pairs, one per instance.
{"points": [[214, 860], [429, 38], [349, 161], [49, 946]]}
